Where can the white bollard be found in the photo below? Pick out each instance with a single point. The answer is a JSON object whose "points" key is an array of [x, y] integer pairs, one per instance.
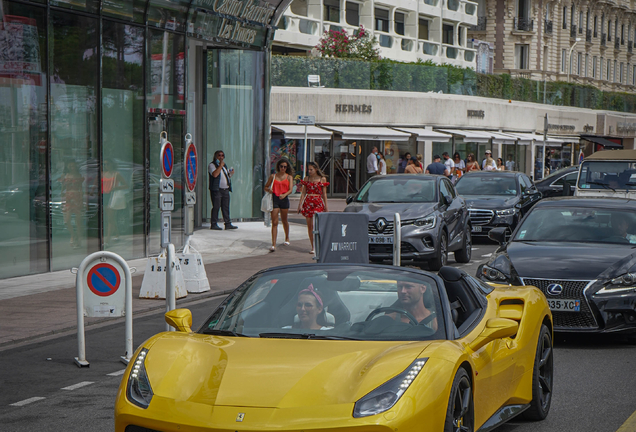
{"points": [[80, 279], [397, 240], [194, 275], [153, 285]]}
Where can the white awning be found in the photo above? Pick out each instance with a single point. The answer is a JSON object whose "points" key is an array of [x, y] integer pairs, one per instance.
{"points": [[501, 138], [368, 133], [469, 135], [298, 132], [530, 138], [426, 134]]}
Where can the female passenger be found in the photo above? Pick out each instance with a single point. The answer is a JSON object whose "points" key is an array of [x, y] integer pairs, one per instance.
{"points": [[313, 198]]}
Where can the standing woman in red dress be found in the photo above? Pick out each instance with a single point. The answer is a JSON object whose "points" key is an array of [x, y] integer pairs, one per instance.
{"points": [[313, 198]]}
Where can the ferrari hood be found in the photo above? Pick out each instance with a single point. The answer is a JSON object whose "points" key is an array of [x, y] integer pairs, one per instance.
{"points": [[272, 373], [387, 210]]}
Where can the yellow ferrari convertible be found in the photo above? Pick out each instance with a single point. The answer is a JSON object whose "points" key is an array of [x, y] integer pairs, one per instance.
{"points": [[360, 348]]}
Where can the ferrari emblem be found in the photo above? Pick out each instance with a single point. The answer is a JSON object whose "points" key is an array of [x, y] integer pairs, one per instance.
{"points": [[240, 417]]}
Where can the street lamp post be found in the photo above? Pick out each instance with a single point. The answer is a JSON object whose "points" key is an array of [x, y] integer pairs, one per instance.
{"points": [[570, 57]]}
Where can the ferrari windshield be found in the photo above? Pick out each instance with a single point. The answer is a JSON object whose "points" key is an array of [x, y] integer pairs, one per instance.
{"points": [[610, 175], [398, 189], [578, 224], [486, 184], [332, 302]]}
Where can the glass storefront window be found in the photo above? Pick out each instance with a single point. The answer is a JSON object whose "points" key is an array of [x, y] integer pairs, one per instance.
{"points": [[234, 124], [131, 10], [75, 189], [123, 171], [167, 53], [168, 14], [23, 141], [395, 155], [292, 150], [91, 6]]}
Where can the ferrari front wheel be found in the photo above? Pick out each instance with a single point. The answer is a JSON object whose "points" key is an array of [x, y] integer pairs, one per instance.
{"points": [[542, 378], [460, 414]]}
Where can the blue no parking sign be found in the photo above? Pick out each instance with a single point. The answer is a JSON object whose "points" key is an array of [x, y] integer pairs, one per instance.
{"points": [[103, 280]]}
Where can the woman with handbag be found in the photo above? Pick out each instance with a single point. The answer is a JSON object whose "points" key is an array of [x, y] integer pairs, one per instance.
{"points": [[313, 198], [113, 199], [279, 185]]}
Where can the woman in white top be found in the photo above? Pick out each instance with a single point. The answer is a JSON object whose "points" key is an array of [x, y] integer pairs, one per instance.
{"points": [[500, 165], [382, 163]]}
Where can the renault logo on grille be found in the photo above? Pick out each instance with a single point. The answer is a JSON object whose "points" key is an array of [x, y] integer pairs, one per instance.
{"points": [[554, 289], [381, 225]]}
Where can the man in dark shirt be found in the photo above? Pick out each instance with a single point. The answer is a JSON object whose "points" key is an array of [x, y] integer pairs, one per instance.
{"points": [[437, 167]]}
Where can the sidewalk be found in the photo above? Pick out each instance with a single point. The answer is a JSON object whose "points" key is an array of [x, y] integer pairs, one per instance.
{"points": [[32, 307]]}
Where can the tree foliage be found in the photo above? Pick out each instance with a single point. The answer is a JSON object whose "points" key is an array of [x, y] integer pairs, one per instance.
{"points": [[339, 44]]}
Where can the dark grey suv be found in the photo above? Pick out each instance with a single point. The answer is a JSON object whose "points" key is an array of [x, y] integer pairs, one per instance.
{"points": [[434, 218]]}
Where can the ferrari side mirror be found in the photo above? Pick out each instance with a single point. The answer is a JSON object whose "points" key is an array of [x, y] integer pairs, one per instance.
{"points": [[496, 328], [180, 319]]}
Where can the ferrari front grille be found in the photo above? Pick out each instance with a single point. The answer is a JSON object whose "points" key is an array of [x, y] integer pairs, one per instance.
{"points": [[480, 217], [572, 290]]}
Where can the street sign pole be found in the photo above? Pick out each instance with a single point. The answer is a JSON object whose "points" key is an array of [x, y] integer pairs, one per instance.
{"points": [[305, 120]]}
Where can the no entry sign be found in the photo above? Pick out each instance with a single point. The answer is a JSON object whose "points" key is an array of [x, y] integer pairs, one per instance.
{"points": [[103, 280], [167, 159], [191, 167]]}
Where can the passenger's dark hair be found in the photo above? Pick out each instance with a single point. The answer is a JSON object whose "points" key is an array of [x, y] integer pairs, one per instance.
{"points": [[289, 170]]}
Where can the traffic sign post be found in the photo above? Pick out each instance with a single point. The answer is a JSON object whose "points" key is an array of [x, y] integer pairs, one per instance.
{"points": [[99, 294], [305, 120], [194, 275]]}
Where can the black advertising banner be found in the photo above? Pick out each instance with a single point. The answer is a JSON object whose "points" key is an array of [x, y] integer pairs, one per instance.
{"points": [[343, 237]]}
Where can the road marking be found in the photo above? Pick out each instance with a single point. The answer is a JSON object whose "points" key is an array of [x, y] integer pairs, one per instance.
{"points": [[629, 425], [487, 255], [119, 372], [27, 401], [78, 385], [474, 248]]}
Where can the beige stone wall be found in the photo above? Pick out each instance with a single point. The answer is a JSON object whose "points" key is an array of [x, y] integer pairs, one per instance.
{"points": [[550, 68]]}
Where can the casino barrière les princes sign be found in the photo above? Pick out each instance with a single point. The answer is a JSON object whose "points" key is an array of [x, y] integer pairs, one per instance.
{"points": [[237, 17]]}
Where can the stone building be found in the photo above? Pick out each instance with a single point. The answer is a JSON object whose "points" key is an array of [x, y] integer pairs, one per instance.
{"points": [[586, 42]]}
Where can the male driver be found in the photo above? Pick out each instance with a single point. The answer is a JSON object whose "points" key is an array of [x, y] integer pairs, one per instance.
{"points": [[437, 167], [448, 163], [411, 299], [220, 187], [372, 163]]}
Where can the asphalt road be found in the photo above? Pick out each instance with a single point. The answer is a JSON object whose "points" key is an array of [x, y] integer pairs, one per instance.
{"points": [[593, 392]]}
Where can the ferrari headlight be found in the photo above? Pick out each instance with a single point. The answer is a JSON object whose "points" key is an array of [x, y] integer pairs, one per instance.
{"points": [[626, 282], [387, 395], [492, 274], [138, 390], [427, 222], [507, 212]]}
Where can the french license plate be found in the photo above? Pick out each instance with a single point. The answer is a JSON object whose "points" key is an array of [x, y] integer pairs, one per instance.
{"points": [[564, 305], [475, 228], [380, 239]]}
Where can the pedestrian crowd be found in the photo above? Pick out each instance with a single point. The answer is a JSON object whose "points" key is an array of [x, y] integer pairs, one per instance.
{"points": [[313, 197]]}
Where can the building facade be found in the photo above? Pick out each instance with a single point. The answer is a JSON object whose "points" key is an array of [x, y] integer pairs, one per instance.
{"points": [[349, 123], [406, 30], [86, 89], [587, 42]]}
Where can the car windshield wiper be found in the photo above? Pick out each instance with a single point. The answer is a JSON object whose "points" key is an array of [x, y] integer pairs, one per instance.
{"points": [[218, 332], [606, 186], [303, 336]]}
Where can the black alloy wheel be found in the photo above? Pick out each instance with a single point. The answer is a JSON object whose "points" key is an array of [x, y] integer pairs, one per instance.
{"points": [[460, 414], [463, 255], [442, 253], [542, 378]]}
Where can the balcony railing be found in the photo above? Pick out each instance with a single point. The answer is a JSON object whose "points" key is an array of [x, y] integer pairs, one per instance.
{"points": [[603, 39], [451, 52], [573, 31], [429, 48], [386, 41], [452, 5], [407, 44], [617, 44], [431, 2], [548, 27], [481, 24], [523, 24], [588, 35], [469, 56]]}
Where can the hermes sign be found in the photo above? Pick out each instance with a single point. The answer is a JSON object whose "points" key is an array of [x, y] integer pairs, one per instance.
{"points": [[361, 109]]}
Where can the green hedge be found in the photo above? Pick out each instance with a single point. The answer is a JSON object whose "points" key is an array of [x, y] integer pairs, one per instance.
{"points": [[291, 71]]}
